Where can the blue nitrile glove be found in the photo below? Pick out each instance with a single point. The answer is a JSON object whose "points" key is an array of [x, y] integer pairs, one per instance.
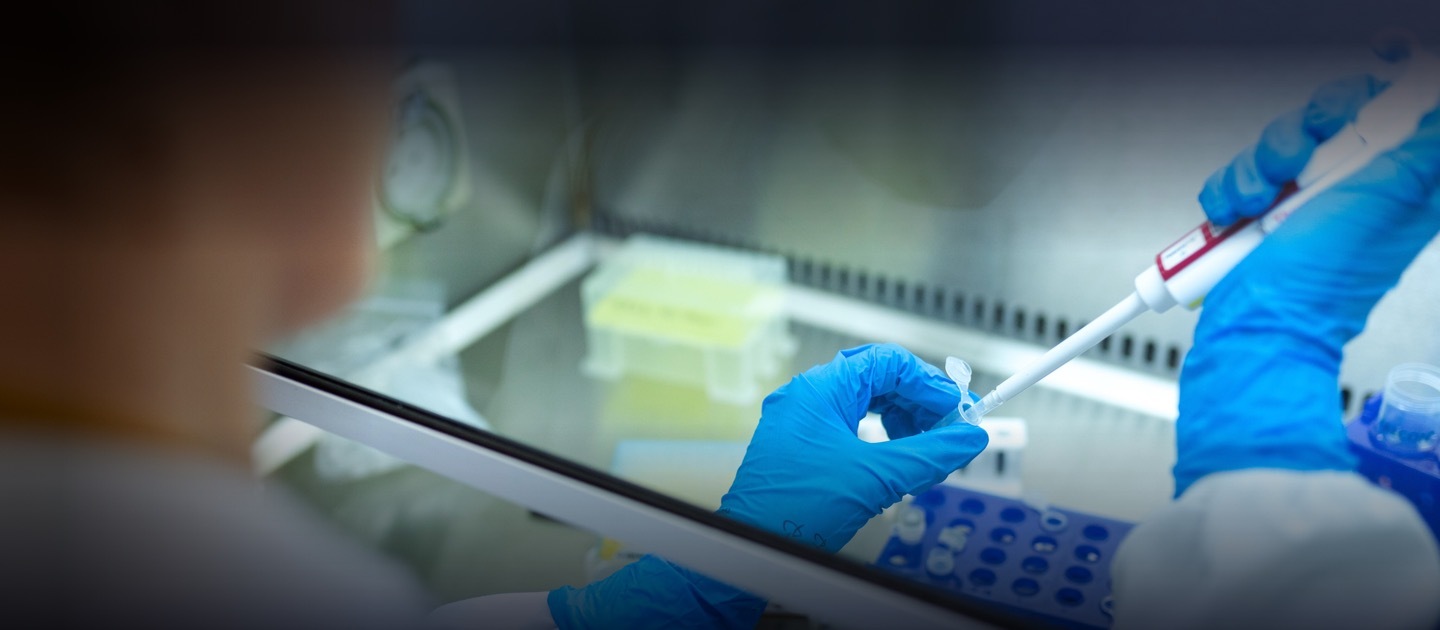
{"points": [[1260, 387], [1248, 186], [806, 476], [652, 593]]}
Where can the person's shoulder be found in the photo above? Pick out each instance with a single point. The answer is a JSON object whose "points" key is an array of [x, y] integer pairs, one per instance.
{"points": [[167, 538]]}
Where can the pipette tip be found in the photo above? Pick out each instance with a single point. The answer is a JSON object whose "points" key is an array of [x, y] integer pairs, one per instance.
{"points": [[978, 410], [972, 414]]}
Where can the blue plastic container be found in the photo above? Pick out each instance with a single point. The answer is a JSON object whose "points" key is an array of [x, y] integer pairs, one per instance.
{"points": [[1417, 478]]}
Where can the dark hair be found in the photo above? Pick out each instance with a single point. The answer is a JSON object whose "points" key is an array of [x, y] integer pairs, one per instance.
{"points": [[77, 86]]}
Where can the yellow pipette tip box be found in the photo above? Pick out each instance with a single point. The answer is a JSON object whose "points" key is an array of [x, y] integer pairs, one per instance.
{"points": [[688, 313]]}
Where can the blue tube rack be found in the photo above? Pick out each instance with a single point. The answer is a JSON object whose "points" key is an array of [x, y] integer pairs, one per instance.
{"points": [[1053, 566]]}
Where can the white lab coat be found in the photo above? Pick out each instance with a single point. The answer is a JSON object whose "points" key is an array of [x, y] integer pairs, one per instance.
{"points": [[1279, 549], [102, 534]]}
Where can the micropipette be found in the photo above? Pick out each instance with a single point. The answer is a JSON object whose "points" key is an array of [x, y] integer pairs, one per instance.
{"points": [[1185, 271]]}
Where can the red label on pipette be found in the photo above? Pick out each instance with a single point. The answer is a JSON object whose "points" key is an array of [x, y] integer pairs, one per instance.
{"points": [[1175, 258], [1192, 246]]}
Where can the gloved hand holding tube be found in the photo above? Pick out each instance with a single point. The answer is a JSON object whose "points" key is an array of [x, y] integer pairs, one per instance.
{"points": [[806, 476]]}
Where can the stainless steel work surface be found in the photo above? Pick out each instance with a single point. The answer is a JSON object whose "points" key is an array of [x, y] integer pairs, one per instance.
{"points": [[525, 379]]}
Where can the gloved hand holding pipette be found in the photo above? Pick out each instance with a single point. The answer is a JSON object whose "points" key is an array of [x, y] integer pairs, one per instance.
{"points": [[1270, 182], [1274, 332], [1271, 527]]}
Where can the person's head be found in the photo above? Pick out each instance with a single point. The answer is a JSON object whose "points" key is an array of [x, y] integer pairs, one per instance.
{"points": [[256, 128], [180, 185]]}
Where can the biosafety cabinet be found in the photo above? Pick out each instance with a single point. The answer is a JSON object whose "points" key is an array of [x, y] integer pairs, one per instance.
{"points": [[597, 260]]}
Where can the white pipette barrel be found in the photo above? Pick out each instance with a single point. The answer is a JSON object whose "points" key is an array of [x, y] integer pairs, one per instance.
{"points": [[1073, 346], [1186, 271]]}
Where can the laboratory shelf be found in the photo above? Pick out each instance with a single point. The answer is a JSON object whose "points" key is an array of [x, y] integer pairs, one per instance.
{"points": [[1100, 437]]}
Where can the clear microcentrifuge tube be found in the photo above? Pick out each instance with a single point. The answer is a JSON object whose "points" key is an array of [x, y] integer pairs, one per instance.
{"points": [[959, 371], [940, 562], [911, 528], [954, 538], [1409, 420]]}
